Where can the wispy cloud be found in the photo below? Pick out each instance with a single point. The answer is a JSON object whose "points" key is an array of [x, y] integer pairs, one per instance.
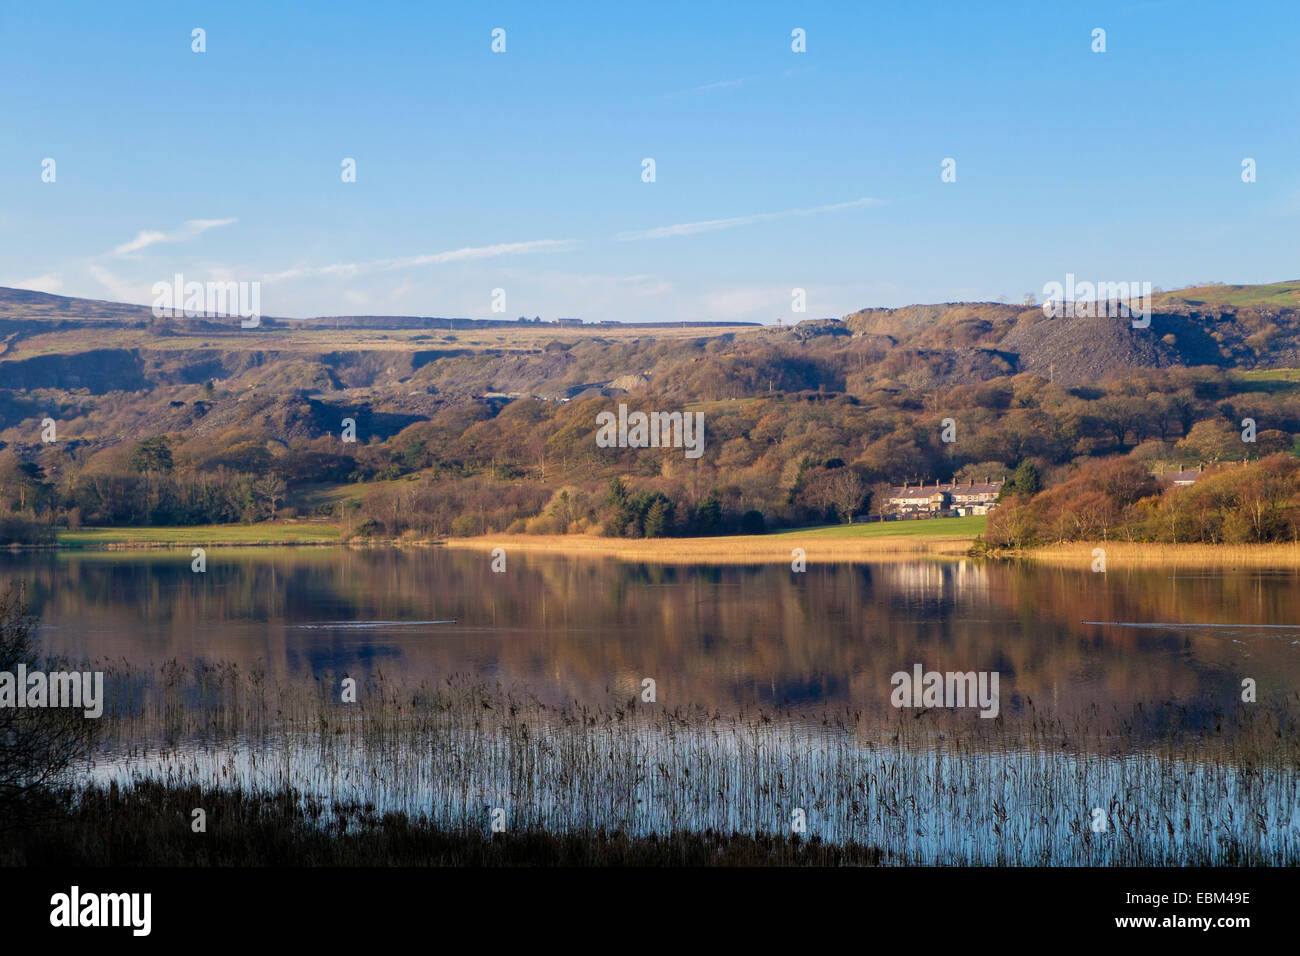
{"points": [[52, 284], [712, 225], [119, 289], [469, 253], [722, 85], [712, 87], [151, 237]]}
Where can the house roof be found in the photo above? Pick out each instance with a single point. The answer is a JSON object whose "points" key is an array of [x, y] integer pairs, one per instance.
{"points": [[978, 488], [928, 491], [921, 494]]}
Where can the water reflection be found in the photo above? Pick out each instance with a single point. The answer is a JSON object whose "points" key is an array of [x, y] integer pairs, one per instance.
{"points": [[721, 637]]}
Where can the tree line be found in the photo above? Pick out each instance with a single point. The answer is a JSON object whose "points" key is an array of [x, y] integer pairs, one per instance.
{"points": [[772, 459]]}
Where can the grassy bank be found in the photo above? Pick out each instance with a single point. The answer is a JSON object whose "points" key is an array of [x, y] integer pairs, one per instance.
{"points": [[878, 541], [937, 537], [196, 536]]}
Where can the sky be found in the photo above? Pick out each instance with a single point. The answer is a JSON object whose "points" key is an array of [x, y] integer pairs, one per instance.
{"points": [[522, 171]]}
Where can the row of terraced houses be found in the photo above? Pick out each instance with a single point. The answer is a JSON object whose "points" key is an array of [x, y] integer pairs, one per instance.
{"points": [[943, 500], [958, 499]]}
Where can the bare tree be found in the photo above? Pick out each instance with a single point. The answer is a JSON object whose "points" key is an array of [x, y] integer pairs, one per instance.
{"points": [[40, 745], [847, 492], [880, 497], [271, 488]]}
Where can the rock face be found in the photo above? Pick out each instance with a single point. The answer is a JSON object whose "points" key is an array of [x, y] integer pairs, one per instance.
{"points": [[630, 383], [99, 370], [1078, 350], [1074, 351]]}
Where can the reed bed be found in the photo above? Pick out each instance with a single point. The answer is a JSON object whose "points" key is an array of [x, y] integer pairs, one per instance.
{"points": [[1176, 787], [736, 549], [1125, 554]]}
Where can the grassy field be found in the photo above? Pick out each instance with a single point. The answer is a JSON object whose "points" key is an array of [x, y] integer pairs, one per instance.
{"points": [[201, 536], [890, 540], [309, 497], [931, 528], [1269, 375], [1269, 380], [937, 536], [1275, 294]]}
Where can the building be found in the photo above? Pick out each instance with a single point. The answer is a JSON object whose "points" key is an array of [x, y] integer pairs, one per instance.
{"points": [[1183, 479], [1186, 477], [943, 500], [569, 321]]}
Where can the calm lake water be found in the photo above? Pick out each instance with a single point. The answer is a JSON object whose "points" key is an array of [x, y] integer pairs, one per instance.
{"points": [[773, 693], [720, 637]]}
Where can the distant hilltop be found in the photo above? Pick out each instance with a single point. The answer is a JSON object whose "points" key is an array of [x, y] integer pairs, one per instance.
{"points": [[26, 305], [919, 346]]}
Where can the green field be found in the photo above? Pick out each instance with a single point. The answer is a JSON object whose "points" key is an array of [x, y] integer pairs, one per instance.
{"points": [[1273, 294], [967, 527], [1268, 375], [202, 535]]}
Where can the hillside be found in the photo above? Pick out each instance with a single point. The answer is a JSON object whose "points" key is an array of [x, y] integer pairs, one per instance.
{"points": [[1241, 327], [295, 377], [1275, 295], [490, 426]]}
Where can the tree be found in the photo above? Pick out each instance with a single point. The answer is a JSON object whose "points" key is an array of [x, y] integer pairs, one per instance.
{"points": [[979, 471], [1025, 479], [1012, 526], [271, 489], [656, 518], [12, 480], [880, 497], [38, 745], [708, 514], [847, 492], [1212, 440], [1119, 415], [615, 493], [153, 455]]}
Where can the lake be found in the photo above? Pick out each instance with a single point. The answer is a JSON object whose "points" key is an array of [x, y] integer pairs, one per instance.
{"points": [[772, 688]]}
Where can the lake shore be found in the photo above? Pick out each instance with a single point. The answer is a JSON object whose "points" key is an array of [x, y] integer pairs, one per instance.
{"points": [[1122, 555], [94, 826], [738, 549], [942, 538]]}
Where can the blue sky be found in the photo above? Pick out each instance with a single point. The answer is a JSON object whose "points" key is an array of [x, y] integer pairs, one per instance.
{"points": [[775, 170]]}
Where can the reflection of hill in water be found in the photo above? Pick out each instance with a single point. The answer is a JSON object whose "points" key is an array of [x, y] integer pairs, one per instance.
{"points": [[715, 637]]}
